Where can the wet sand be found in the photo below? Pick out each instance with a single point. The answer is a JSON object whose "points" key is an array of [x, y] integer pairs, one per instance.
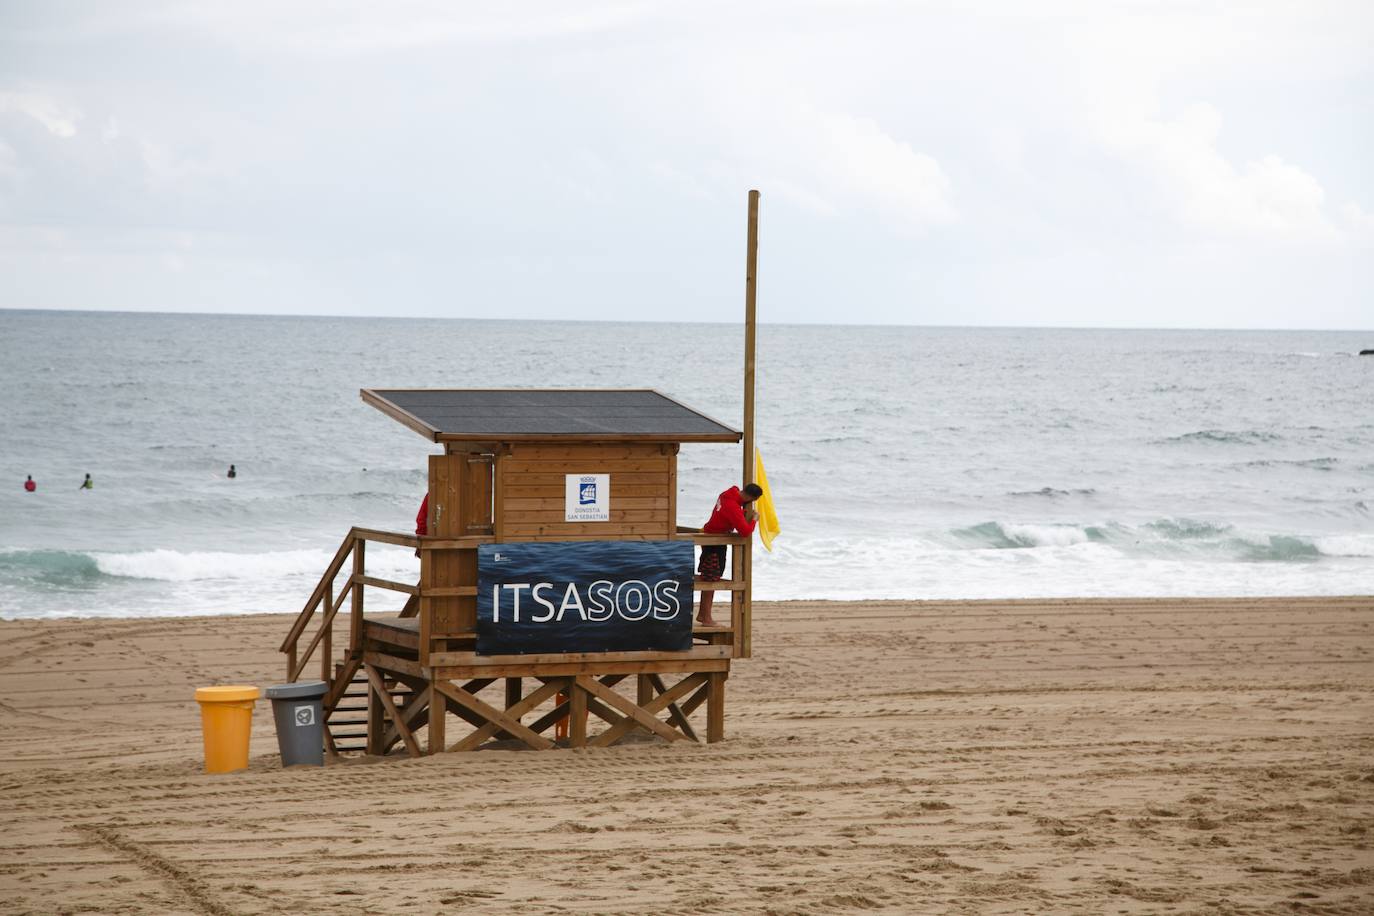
{"points": [[1099, 756]]}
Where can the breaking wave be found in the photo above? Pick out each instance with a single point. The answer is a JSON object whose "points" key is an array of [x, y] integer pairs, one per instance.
{"points": [[71, 568], [1167, 537], [1223, 436]]}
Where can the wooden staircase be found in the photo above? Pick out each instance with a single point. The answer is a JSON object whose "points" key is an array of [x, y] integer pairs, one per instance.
{"points": [[345, 720]]}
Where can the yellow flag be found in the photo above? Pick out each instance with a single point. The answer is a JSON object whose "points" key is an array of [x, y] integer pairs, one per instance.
{"points": [[768, 527]]}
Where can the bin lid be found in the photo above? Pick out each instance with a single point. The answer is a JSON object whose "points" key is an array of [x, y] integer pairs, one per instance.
{"points": [[225, 694], [297, 691]]}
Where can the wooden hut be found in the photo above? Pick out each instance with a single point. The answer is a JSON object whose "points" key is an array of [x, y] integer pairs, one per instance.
{"points": [[515, 467], [550, 495]]}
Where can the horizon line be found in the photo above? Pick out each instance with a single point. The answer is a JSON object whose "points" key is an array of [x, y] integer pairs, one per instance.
{"points": [[816, 324]]}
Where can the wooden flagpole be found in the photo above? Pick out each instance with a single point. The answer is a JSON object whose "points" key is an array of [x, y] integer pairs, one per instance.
{"points": [[743, 601], [750, 299]]}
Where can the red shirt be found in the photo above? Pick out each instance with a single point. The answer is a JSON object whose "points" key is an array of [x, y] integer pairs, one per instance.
{"points": [[728, 515], [422, 518], [30, 486]]}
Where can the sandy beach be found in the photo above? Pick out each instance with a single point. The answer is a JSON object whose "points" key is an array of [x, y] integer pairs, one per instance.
{"points": [[1096, 756]]}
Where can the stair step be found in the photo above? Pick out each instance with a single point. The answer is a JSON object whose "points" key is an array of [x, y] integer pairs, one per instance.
{"points": [[348, 734]]}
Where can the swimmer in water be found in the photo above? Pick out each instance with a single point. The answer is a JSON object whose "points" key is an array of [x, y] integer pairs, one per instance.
{"points": [[29, 485], [87, 484], [232, 473]]}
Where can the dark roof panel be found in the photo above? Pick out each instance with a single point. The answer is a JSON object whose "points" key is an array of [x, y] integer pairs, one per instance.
{"points": [[526, 413]]}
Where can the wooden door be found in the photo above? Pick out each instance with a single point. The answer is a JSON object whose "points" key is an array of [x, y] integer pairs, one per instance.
{"points": [[459, 506]]}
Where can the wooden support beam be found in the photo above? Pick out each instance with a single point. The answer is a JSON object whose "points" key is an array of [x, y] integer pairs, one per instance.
{"points": [[453, 591], [715, 707], [744, 626], [376, 722], [455, 659], [514, 710], [658, 703], [724, 585], [557, 714], [590, 668], [599, 709], [577, 713], [341, 682], [675, 714], [691, 704], [379, 687], [413, 710], [355, 625], [513, 691], [492, 714], [437, 710], [386, 537], [327, 644], [385, 583], [392, 663], [635, 712]]}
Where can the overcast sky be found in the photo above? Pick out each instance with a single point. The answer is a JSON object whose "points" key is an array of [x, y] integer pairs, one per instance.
{"points": [[1192, 164]]}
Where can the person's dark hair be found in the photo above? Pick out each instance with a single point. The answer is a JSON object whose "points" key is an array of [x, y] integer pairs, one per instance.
{"points": [[753, 489]]}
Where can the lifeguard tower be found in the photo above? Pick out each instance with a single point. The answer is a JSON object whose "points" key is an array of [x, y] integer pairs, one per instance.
{"points": [[565, 500]]}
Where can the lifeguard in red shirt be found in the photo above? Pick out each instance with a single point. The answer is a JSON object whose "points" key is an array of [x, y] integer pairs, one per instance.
{"points": [[422, 521], [728, 517]]}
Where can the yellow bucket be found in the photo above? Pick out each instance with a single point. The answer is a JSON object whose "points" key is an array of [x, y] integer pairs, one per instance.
{"points": [[226, 720]]}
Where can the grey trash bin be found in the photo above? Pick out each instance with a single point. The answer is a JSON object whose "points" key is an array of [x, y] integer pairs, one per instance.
{"points": [[299, 711]]}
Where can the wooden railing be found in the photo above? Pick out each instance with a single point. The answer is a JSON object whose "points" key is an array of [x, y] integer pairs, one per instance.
{"points": [[739, 633], [324, 602], [323, 599]]}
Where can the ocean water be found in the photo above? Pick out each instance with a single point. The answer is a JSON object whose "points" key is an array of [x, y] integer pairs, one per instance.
{"points": [[906, 462]]}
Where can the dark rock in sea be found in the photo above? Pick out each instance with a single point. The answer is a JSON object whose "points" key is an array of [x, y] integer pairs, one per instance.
{"points": [[1367, 352]]}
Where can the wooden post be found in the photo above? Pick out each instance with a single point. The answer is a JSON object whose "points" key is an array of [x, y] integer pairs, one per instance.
{"points": [[751, 265], [355, 635], [742, 621], [715, 707], [513, 697], [376, 720], [577, 715], [437, 708], [744, 627], [644, 686], [327, 644]]}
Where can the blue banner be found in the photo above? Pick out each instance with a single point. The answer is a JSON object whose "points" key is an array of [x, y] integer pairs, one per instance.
{"points": [[584, 596]]}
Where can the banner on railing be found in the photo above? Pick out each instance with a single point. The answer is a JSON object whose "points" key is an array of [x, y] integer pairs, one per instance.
{"points": [[584, 596]]}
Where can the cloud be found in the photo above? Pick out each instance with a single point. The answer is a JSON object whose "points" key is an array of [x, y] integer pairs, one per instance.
{"points": [[1267, 196], [60, 120], [1060, 162], [1145, 76], [857, 155], [332, 29]]}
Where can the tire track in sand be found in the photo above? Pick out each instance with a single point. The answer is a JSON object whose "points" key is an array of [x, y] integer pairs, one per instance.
{"points": [[191, 888]]}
